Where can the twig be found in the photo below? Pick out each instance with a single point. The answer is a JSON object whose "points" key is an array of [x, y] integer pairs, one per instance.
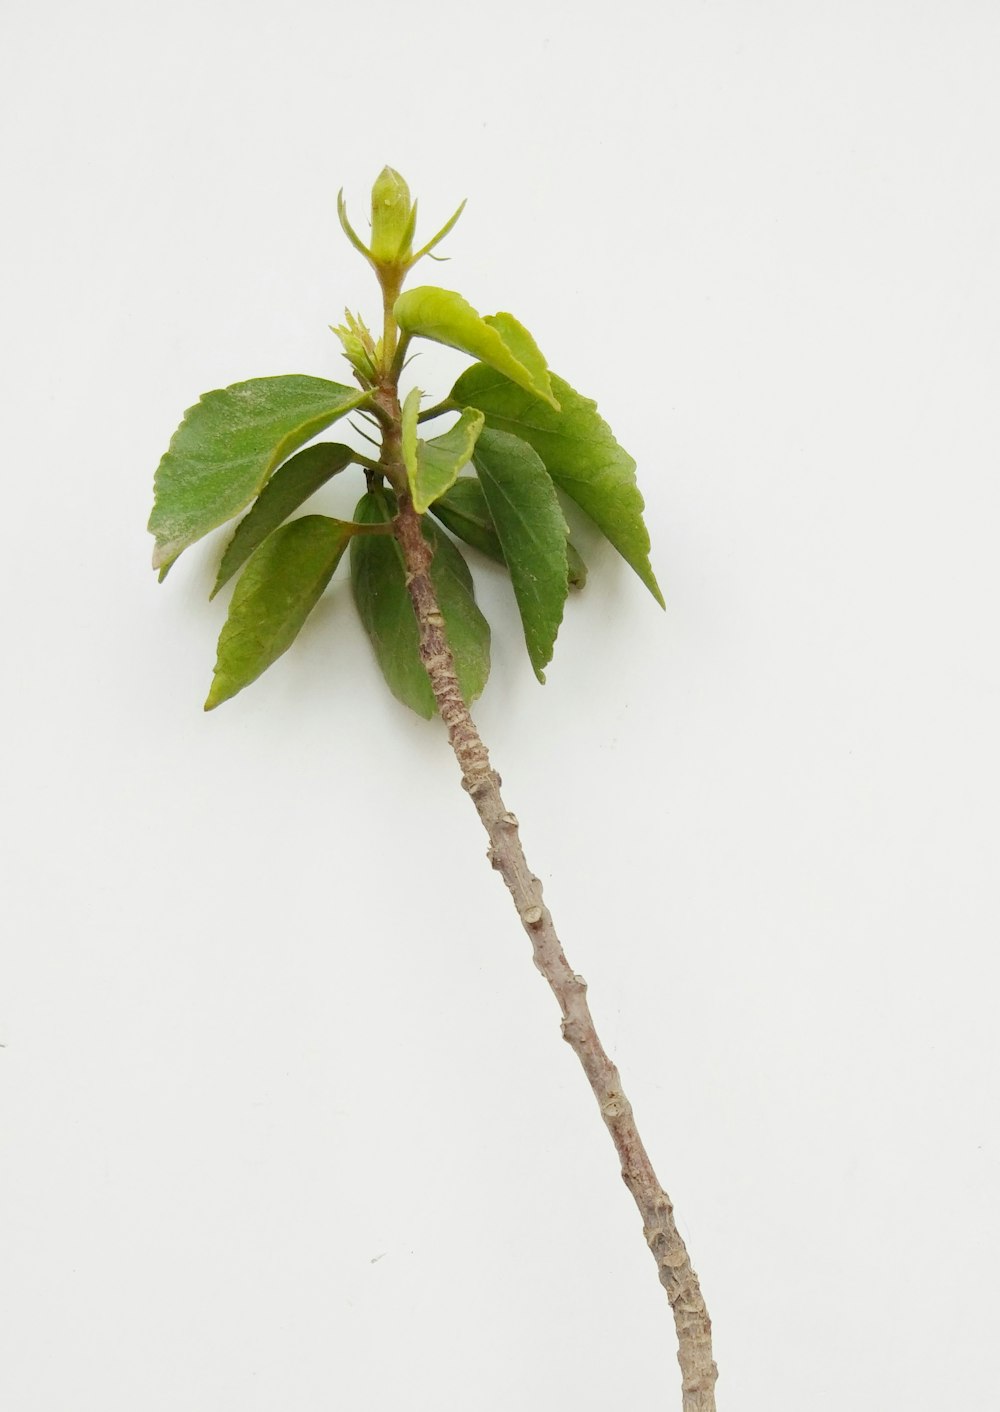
{"points": [[694, 1328]]}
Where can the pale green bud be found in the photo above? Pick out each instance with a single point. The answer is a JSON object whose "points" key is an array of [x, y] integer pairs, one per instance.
{"points": [[392, 224], [360, 348]]}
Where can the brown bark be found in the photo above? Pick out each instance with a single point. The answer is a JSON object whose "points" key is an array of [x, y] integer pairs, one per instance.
{"points": [[694, 1328]]}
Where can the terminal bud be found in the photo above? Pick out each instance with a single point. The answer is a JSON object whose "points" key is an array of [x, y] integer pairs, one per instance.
{"points": [[393, 219]]}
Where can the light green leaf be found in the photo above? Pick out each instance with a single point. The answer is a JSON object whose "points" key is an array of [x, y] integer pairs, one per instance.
{"points": [[524, 349], [409, 413], [532, 532], [385, 609], [277, 591], [226, 447], [289, 487], [501, 342], [432, 466], [464, 511], [437, 239], [579, 451]]}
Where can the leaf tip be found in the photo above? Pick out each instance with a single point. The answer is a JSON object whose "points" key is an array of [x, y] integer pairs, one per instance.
{"points": [[649, 579], [165, 554], [220, 690]]}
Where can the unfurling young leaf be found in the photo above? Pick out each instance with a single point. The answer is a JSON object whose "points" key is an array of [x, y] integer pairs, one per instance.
{"points": [[384, 605], [499, 341], [532, 532], [433, 466], [360, 348], [579, 451], [226, 447], [289, 487], [277, 591], [409, 414]]}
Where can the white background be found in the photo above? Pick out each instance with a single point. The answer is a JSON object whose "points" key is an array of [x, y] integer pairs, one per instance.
{"points": [[286, 1119]]}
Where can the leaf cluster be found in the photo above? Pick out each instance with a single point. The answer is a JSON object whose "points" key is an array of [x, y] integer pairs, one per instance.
{"points": [[521, 439]]}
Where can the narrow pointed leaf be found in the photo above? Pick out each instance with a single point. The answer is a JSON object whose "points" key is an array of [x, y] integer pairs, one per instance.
{"points": [[579, 451], [532, 532], [289, 487], [501, 342], [226, 447], [277, 591], [433, 466], [387, 614], [437, 239], [348, 229]]}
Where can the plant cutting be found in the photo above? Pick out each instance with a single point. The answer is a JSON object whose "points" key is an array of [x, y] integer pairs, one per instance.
{"points": [[518, 439]]}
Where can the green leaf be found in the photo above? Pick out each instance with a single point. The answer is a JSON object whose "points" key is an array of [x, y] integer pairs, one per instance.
{"points": [[437, 239], [499, 341], [289, 487], [277, 591], [226, 447], [524, 349], [385, 609], [464, 511], [409, 414], [579, 451], [348, 229], [532, 532], [433, 466]]}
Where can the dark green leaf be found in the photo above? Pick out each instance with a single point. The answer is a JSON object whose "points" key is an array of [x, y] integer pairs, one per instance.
{"points": [[579, 452], [500, 341], [226, 447], [385, 609], [463, 510], [277, 591], [289, 487], [532, 532]]}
